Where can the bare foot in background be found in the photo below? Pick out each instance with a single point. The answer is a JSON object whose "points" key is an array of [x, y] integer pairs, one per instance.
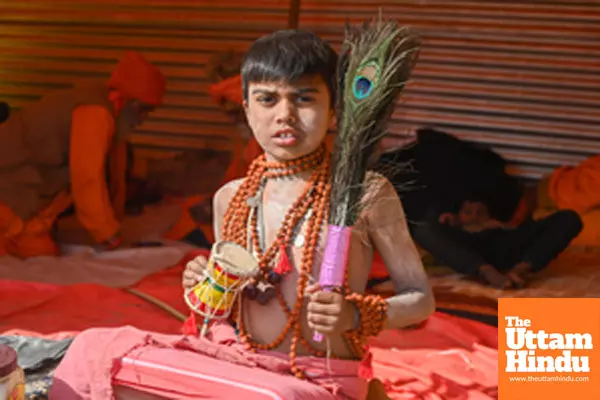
{"points": [[520, 274], [494, 277]]}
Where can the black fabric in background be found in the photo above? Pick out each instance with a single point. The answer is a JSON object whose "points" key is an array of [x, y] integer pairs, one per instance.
{"points": [[440, 171]]}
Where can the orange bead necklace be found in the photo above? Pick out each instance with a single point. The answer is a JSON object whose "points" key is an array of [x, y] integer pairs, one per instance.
{"points": [[235, 228], [241, 225]]}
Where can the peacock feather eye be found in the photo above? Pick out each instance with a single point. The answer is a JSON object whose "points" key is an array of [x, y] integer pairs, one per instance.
{"points": [[365, 81], [362, 87]]}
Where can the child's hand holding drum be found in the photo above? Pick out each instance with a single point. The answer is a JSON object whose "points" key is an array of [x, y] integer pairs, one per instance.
{"points": [[212, 286], [194, 272]]}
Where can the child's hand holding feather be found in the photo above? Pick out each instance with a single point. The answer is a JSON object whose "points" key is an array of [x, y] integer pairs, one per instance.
{"points": [[328, 312]]}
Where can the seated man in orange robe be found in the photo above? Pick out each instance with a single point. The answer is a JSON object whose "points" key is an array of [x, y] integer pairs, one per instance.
{"points": [[53, 154]]}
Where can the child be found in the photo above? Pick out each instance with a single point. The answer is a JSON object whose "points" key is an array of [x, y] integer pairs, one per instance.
{"points": [[289, 105], [289, 89]]}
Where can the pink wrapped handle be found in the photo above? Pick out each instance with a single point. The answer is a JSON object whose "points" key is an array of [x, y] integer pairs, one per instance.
{"points": [[334, 263]]}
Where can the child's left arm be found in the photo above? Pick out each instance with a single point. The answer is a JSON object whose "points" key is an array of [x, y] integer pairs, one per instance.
{"points": [[329, 312], [389, 234]]}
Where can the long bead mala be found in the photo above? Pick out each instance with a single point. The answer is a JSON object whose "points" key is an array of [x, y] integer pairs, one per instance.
{"points": [[315, 196]]}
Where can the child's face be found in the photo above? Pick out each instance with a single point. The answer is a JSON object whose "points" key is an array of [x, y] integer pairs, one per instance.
{"points": [[289, 120], [473, 212]]}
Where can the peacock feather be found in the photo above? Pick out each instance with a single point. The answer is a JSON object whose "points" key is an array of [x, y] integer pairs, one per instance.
{"points": [[374, 65], [376, 60]]}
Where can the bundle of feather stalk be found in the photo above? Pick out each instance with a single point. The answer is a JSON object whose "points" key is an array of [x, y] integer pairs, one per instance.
{"points": [[376, 60]]}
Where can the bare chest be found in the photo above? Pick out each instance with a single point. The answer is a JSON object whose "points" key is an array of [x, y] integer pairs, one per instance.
{"points": [[304, 252], [305, 242], [286, 213]]}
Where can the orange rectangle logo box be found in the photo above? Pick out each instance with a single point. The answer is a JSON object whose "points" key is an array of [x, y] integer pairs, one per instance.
{"points": [[548, 349]]}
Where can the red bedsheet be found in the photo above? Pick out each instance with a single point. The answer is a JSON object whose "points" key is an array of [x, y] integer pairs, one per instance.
{"points": [[447, 357]]}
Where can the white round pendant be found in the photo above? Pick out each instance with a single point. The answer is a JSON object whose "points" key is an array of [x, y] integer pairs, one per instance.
{"points": [[299, 240]]}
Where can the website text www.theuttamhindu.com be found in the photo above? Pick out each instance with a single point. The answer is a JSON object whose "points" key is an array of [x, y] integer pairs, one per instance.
{"points": [[549, 379]]}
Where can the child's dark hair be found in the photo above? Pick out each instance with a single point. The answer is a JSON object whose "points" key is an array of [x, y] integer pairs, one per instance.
{"points": [[289, 55]]}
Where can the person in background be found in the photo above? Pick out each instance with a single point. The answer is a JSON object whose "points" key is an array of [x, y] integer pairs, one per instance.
{"points": [[434, 173], [466, 211], [473, 243], [53, 154]]}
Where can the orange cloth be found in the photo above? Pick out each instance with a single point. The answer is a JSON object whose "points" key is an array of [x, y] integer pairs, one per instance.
{"points": [[92, 131], [378, 268], [227, 90], [31, 238], [590, 234], [576, 188], [135, 78]]}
